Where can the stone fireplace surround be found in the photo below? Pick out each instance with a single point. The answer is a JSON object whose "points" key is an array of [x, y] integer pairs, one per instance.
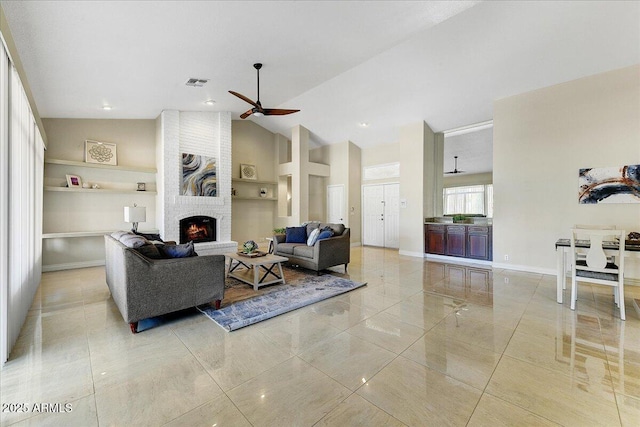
{"points": [[200, 133]]}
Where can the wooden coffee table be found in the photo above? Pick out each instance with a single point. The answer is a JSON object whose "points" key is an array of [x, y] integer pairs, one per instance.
{"points": [[256, 267]]}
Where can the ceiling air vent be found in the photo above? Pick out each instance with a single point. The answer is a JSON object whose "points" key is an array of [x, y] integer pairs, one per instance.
{"points": [[196, 82]]}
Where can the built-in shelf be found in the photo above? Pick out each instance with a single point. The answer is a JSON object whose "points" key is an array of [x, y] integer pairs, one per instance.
{"points": [[254, 181], [97, 190], [254, 198], [100, 166]]}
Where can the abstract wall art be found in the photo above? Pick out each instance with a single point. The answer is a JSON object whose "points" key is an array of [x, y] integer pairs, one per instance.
{"points": [[198, 176], [609, 185]]}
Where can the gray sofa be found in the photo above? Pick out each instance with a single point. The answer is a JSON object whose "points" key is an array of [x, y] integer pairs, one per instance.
{"points": [[143, 287], [323, 254]]}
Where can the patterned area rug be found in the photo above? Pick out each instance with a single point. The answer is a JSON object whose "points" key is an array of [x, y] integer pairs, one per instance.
{"points": [[242, 306]]}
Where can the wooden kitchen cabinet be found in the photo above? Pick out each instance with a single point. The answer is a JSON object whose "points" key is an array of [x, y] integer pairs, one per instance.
{"points": [[459, 240], [479, 243], [456, 242], [434, 239]]}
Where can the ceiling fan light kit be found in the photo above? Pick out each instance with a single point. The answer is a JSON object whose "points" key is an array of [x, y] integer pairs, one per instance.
{"points": [[258, 110]]}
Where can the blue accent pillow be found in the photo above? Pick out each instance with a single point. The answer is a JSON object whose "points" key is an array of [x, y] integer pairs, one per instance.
{"points": [[296, 235], [179, 251], [325, 234]]}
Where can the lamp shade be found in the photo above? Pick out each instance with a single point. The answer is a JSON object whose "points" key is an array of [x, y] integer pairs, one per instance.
{"points": [[135, 214]]}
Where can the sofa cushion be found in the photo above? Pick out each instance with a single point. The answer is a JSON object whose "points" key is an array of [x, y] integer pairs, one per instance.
{"points": [[150, 251], [296, 235], [130, 240], [303, 251], [338, 229], [179, 251], [287, 248], [313, 236]]}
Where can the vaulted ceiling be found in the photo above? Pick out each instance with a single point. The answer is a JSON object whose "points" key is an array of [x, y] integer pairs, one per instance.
{"points": [[384, 63]]}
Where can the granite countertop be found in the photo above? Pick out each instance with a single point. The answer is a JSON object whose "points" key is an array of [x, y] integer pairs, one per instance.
{"points": [[469, 221]]}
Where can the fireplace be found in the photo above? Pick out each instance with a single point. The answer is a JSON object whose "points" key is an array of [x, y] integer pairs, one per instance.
{"points": [[198, 229]]}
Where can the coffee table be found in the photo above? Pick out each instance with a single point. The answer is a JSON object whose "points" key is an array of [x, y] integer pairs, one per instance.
{"points": [[254, 268]]}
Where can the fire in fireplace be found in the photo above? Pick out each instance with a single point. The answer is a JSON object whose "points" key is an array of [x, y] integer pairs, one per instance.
{"points": [[198, 229]]}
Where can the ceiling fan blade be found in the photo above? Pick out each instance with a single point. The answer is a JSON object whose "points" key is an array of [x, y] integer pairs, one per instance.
{"points": [[244, 98], [277, 112], [246, 114]]}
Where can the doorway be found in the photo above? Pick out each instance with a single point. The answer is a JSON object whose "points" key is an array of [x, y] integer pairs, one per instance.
{"points": [[335, 204], [381, 215]]}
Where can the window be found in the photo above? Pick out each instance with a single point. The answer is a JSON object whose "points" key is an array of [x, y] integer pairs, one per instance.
{"points": [[473, 199]]}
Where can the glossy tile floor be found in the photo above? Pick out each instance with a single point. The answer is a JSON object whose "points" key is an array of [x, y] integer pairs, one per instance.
{"points": [[423, 344]]}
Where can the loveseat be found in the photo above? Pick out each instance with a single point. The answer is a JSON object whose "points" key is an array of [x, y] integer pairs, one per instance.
{"points": [[324, 253], [143, 287]]}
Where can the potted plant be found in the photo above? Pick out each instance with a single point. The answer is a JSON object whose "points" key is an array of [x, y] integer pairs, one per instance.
{"points": [[458, 218]]}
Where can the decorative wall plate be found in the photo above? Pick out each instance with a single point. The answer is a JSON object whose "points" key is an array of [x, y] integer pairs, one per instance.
{"points": [[248, 172], [100, 152]]}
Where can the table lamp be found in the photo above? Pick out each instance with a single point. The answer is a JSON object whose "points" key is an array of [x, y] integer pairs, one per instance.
{"points": [[135, 214]]}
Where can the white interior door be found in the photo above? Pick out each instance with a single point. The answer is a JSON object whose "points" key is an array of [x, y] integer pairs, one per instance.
{"points": [[373, 215], [391, 215], [335, 204]]}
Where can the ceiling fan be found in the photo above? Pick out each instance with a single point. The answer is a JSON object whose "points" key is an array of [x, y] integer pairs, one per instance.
{"points": [[455, 168], [257, 109]]}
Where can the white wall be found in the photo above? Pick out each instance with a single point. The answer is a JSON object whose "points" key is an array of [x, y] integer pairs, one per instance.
{"points": [[541, 139]]}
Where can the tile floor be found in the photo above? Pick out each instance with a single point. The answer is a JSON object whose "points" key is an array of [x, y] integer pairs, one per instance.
{"points": [[424, 343]]}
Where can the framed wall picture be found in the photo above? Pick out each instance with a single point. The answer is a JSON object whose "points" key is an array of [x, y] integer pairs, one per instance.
{"points": [[100, 152], [74, 181], [248, 171]]}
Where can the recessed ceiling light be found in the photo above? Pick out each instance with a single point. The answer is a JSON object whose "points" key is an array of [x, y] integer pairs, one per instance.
{"points": [[107, 107], [364, 124], [209, 102]]}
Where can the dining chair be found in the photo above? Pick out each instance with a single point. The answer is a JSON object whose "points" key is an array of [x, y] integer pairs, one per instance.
{"points": [[598, 227], [592, 264]]}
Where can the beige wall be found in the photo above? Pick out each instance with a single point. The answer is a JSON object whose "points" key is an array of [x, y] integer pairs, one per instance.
{"points": [[135, 139], [417, 168], [541, 139], [468, 179], [254, 145], [69, 212], [381, 155]]}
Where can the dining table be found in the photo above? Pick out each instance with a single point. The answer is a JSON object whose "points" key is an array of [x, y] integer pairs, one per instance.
{"points": [[563, 247]]}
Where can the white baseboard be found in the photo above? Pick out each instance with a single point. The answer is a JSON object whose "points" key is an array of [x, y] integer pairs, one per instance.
{"points": [[410, 253], [525, 268], [72, 265], [457, 260]]}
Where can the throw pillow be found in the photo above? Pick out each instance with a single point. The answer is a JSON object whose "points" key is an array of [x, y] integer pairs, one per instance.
{"points": [[133, 241], [149, 236], [179, 251], [325, 234], [150, 251], [313, 237], [118, 234], [296, 235]]}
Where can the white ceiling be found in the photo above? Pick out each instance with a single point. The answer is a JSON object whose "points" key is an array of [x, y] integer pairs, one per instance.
{"points": [[387, 63]]}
